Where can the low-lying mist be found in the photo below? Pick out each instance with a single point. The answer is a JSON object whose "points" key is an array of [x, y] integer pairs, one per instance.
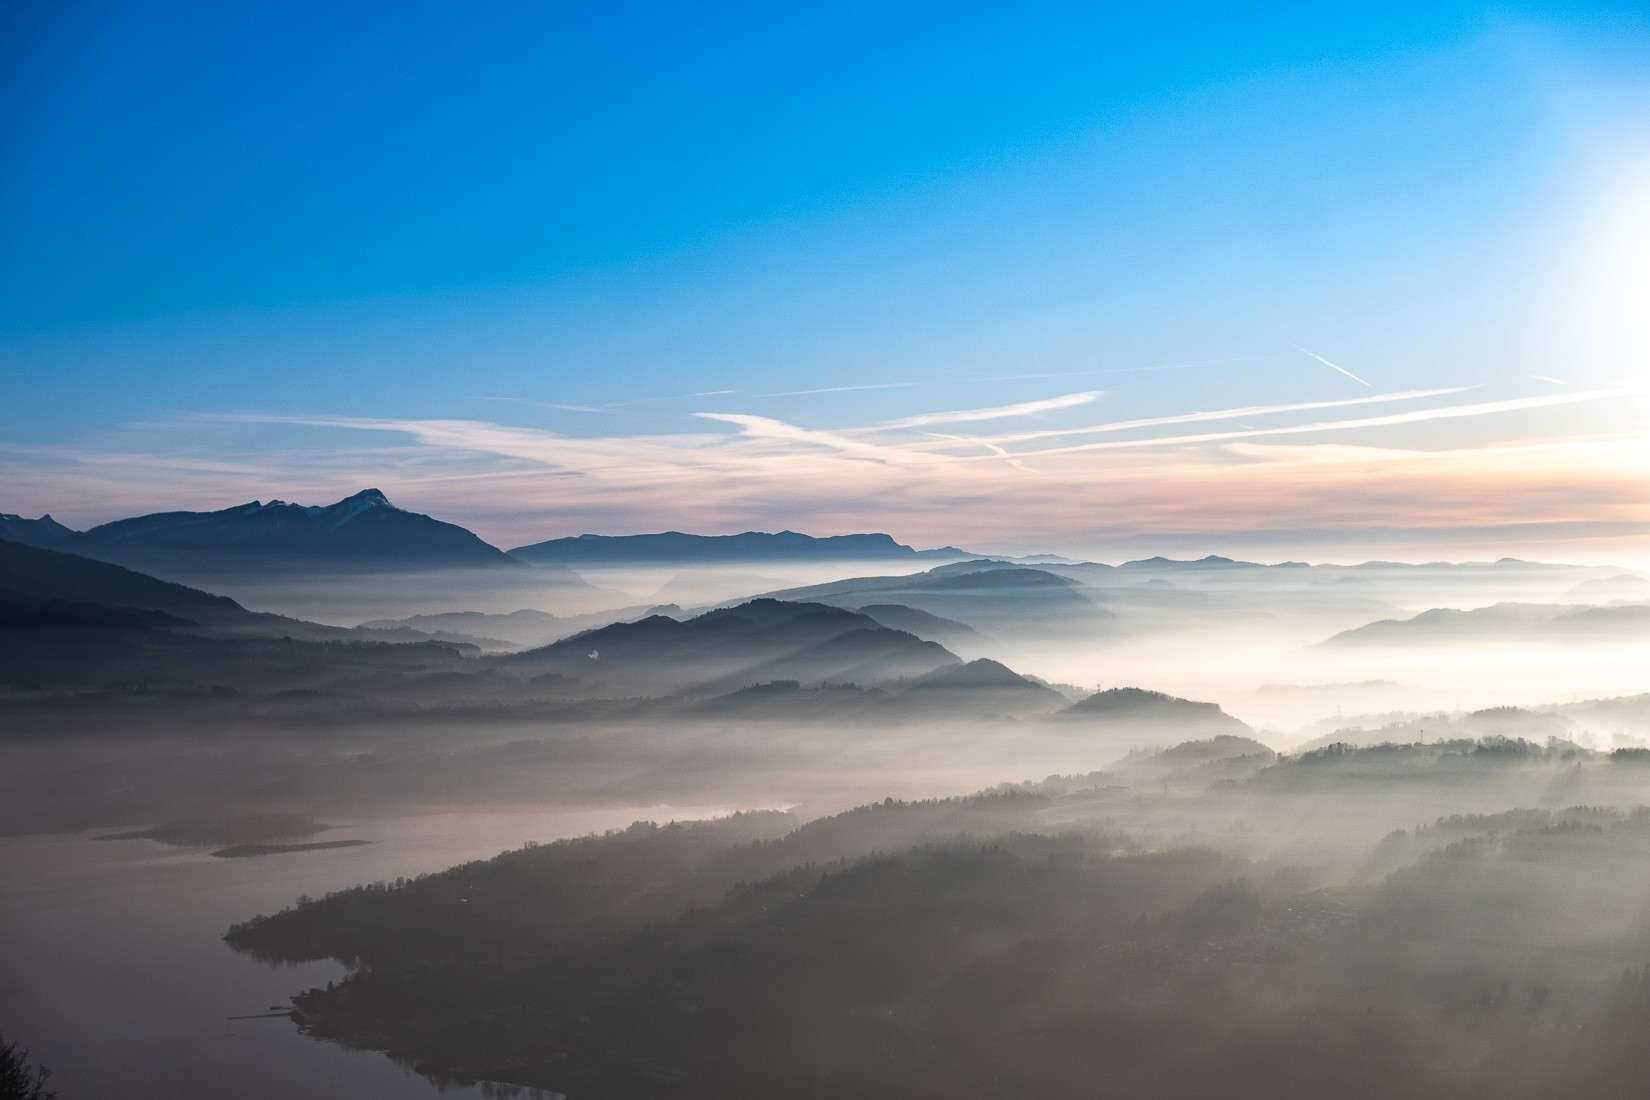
{"points": [[1237, 829]]}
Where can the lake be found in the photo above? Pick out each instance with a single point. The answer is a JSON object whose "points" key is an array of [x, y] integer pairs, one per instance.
{"points": [[113, 971]]}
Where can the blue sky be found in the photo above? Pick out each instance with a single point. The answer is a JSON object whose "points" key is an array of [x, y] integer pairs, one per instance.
{"points": [[551, 268]]}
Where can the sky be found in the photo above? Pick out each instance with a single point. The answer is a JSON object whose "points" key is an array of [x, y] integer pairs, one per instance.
{"points": [[1270, 280]]}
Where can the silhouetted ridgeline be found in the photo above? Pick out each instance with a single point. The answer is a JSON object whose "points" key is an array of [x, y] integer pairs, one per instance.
{"points": [[1163, 931], [676, 548], [362, 531]]}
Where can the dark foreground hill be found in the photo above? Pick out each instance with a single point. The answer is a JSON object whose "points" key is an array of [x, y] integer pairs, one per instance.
{"points": [[1263, 935], [69, 624], [35, 574], [42, 574]]}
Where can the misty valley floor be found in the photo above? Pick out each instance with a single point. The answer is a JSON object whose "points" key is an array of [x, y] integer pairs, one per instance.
{"points": [[1422, 897]]}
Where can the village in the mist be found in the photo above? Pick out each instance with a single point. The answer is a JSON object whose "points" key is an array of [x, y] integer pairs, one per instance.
{"points": [[902, 551]]}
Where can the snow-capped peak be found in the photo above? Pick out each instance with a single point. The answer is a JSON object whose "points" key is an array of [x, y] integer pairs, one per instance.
{"points": [[352, 506]]}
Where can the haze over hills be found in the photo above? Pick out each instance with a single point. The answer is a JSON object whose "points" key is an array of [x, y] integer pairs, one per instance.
{"points": [[924, 625], [1506, 624], [36, 574], [522, 629], [1145, 710], [736, 647], [69, 624], [989, 596], [1027, 615], [143, 701], [1037, 938]]}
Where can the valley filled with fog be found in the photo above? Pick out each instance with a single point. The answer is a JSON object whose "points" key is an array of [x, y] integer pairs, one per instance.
{"points": [[930, 823]]}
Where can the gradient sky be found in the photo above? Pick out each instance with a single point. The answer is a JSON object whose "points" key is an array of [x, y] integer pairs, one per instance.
{"points": [[1282, 281]]}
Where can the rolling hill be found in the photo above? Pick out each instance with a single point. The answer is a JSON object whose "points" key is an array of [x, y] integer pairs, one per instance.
{"points": [[735, 647]]}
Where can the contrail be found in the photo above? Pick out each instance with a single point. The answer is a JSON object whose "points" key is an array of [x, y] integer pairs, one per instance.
{"points": [[1332, 366], [1002, 453], [842, 389], [1001, 412]]}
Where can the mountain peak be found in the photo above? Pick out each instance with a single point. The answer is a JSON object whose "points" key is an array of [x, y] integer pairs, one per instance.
{"points": [[368, 497], [357, 504], [361, 531]]}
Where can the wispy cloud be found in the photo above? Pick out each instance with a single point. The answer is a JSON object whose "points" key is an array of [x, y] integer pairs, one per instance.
{"points": [[764, 427], [1272, 469], [1414, 416], [1000, 452], [1241, 412]]}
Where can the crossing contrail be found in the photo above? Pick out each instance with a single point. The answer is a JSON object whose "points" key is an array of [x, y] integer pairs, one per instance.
{"points": [[1332, 366]]}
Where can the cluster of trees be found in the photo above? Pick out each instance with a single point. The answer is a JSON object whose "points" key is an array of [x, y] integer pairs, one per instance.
{"points": [[20, 1078], [1053, 939]]}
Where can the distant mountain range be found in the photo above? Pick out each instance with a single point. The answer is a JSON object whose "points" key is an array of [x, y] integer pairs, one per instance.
{"points": [[996, 597], [676, 548], [1507, 623], [71, 625], [364, 532]]}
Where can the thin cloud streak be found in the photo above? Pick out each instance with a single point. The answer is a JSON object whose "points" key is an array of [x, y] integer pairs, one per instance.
{"points": [[550, 404], [842, 389], [1078, 502], [1230, 414], [516, 485], [1001, 452], [1001, 412], [763, 427], [1334, 366], [1101, 371], [1448, 412]]}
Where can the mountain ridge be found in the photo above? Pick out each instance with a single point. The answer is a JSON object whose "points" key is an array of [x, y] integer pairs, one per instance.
{"points": [[677, 547], [362, 531]]}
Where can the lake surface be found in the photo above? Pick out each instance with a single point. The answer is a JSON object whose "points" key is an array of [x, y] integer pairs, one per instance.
{"points": [[113, 971]]}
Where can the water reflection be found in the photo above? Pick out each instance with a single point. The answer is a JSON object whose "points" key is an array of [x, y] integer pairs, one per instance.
{"points": [[114, 974]]}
